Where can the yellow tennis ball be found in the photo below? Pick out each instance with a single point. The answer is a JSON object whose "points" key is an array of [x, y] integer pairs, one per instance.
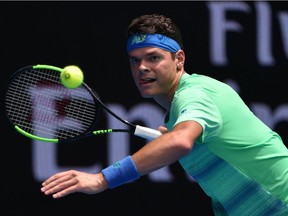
{"points": [[71, 76]]}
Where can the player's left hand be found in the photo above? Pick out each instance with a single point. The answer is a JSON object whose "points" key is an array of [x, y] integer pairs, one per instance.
{"points": [[64, 183]]}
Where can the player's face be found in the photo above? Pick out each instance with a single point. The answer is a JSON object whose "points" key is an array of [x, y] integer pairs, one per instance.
{"points": [[154, 71]]}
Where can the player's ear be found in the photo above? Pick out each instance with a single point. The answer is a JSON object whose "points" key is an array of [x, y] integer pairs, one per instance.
{"points": [[180, 57]]}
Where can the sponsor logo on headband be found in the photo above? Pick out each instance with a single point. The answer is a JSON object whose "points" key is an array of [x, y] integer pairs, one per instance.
{"points": [[138, 39]]}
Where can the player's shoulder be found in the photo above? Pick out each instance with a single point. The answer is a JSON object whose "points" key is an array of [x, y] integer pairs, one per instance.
{"points": [[195, 80]]}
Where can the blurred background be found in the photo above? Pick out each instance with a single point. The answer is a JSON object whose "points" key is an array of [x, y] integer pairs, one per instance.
{"points": [[242, 43]]}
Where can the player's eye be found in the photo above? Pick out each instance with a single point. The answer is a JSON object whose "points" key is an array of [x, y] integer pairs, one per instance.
{"points": [[133, 60], [154, 58]]}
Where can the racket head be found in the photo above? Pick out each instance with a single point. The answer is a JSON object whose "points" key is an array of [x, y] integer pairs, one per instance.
{"points": [[40, 107]]}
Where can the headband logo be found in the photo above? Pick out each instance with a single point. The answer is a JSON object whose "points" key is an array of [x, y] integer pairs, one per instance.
{"points": [[138, 39]]}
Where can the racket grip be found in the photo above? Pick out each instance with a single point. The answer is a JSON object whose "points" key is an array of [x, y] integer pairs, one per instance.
{"points": [[147, 133]]}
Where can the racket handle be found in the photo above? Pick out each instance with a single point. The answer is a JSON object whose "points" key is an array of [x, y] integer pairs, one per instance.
{"points": [[147, 133]]}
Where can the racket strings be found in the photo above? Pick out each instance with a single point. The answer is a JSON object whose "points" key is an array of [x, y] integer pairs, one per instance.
{"points": [[39, 104]]}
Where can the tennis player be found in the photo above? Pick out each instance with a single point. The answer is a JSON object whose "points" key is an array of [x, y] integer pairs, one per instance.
{"points": [[237, 160]]}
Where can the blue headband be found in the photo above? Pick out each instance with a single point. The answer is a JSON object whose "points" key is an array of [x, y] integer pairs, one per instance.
{"points": [[152, 40]]}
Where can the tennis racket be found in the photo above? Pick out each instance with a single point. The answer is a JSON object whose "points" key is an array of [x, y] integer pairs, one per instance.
{"points": [[39, 107]]}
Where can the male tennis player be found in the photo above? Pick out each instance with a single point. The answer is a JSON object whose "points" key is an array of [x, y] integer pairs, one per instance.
{"points": [[237, 160]]}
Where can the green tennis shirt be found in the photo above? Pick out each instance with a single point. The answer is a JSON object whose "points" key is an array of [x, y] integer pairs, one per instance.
{"points": [[232, 133]]}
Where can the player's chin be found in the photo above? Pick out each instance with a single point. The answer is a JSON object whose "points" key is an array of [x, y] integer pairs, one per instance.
{"points": [[146, 94]]}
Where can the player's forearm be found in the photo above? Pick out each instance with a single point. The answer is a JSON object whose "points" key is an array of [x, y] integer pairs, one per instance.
{"points": [[151, 157], [159, 153]]}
